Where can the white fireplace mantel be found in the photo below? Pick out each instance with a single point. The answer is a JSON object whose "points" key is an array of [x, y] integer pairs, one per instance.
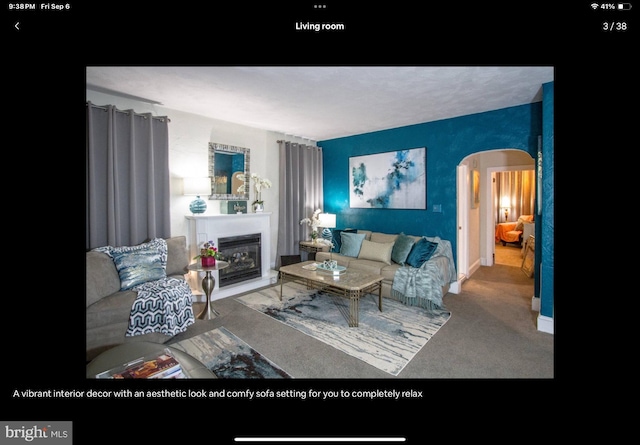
{"points": [[204, 228]]}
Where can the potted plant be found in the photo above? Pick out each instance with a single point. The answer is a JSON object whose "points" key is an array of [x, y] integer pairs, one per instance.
{"points": [[258, 184], [314, 223], [208, 254]]}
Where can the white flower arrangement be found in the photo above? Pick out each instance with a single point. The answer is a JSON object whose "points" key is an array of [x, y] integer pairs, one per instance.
{"points": [[258, 184], [313, 222]]}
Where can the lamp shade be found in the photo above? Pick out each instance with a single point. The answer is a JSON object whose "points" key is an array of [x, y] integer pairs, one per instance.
{"points": [[327, 220], [197, 186]]}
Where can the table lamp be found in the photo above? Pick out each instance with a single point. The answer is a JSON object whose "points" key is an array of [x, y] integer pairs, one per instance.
{"points": [[197, 187], [505, 204], [327, 221]]}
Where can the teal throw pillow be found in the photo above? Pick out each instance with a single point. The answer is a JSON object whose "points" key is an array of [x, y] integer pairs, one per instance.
{"points": [[421, 252], [351, 243], [337, 238], [141, 263], [401, 248]]}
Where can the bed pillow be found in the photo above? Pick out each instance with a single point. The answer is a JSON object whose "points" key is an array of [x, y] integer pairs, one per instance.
{"points": [[401, 248], [337, 238], [351, 243], [141, 263], [421, 252], [376, 251], [520, 222]]}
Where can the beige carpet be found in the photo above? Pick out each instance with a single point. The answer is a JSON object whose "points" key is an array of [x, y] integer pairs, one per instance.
{"points": [[508, 255]]}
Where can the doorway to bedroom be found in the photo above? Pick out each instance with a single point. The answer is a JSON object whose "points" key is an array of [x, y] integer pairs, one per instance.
{"points": [[477, 211], [513, 196]]}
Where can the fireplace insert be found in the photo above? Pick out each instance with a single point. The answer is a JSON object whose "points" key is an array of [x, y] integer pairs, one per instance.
{"points": [[243, 253]]}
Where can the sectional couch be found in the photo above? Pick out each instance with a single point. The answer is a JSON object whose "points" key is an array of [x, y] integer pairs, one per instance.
{"points": [[108, 307]]}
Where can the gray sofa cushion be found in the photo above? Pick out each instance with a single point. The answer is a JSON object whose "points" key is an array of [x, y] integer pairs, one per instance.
{"points": [[102, 278], [378, 237], [177, 256], [111, 309]]}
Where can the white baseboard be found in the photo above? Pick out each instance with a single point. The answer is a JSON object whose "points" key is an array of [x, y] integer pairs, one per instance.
{"points": [[535, 304], [545, 324]]}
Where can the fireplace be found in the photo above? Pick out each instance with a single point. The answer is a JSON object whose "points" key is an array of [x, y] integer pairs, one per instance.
{"points": [[203, 228], [244, 255]]}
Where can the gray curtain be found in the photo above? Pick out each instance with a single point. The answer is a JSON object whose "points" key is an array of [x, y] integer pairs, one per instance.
{"points": [[301, 193], [127, 177]]}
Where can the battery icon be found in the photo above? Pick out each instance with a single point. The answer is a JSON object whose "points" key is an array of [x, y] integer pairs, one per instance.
{"points": [[624, 6]]}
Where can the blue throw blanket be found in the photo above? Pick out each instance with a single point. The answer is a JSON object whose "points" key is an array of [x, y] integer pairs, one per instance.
{"points": [[423, 286], [163, 306]]}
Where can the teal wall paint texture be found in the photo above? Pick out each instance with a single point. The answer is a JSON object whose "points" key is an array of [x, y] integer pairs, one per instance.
{"points": [[547, 235], [447, 142]]}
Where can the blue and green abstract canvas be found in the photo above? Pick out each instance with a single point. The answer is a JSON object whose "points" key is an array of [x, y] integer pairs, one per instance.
{"points": [[391, 180]]}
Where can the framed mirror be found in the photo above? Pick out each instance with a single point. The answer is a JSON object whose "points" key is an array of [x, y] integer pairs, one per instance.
{"points": [[226, 162]]}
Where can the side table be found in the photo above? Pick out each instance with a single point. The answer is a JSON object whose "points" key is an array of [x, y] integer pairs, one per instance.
{"points": [[312, 248], [208, 283]]}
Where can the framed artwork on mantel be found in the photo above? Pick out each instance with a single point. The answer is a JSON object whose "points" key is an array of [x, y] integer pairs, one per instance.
{"points": [[390, 180]]}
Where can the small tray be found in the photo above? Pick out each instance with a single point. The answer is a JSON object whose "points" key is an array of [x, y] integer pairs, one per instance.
{"points": [[337, 271]]}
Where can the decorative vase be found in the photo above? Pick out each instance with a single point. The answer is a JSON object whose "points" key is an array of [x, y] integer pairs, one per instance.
{"points": [[208, 261], [258, 207], [198, 205]]}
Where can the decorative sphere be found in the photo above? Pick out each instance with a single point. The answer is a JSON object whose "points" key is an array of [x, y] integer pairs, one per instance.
{"points": [[198, 205], [326, 234]]}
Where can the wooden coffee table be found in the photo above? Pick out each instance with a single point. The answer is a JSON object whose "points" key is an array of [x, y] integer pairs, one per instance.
{"points": [[351, 284]]}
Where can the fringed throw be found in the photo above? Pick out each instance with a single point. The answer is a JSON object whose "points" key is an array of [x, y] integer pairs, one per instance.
{"points": [[423, 286]]}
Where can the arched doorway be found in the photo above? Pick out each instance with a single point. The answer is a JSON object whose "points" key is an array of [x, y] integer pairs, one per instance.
{"points": [[476, 220]]}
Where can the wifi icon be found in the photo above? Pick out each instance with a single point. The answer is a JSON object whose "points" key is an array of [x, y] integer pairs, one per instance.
{"points": [[594, 6]]}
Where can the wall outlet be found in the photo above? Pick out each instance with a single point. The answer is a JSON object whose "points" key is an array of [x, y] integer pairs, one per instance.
{"points": [[437, 208]]}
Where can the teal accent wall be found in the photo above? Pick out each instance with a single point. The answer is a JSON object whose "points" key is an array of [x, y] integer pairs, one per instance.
{"points": [[547, 245], [447, 141]]}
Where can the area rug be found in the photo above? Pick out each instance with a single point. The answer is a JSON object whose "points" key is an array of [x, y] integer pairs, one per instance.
{"points": [[387, 340], [228, 357]]}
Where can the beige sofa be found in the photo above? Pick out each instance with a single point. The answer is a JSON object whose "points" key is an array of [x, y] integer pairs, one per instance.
{"points": [[108, 307], [382, 268]]}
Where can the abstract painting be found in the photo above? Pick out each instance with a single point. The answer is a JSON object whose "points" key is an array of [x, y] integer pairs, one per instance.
{"points": [[390, 180]]}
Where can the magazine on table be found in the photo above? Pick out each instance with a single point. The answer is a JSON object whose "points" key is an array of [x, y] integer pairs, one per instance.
{"points": [[161, 365]]}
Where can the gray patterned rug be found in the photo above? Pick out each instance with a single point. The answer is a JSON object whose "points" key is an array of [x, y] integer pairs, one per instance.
{"points": [[228, 357], [387, 340]]}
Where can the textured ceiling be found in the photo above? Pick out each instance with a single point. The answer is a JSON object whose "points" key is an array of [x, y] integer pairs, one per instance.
{"points": [[326, 102]]}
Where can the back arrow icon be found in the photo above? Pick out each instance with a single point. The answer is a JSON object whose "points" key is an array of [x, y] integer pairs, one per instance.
{"points": [[16, 25]]}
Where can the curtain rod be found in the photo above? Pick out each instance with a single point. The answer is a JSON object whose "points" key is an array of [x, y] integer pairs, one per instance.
{"points": [[129, 111], [280, 141]]}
